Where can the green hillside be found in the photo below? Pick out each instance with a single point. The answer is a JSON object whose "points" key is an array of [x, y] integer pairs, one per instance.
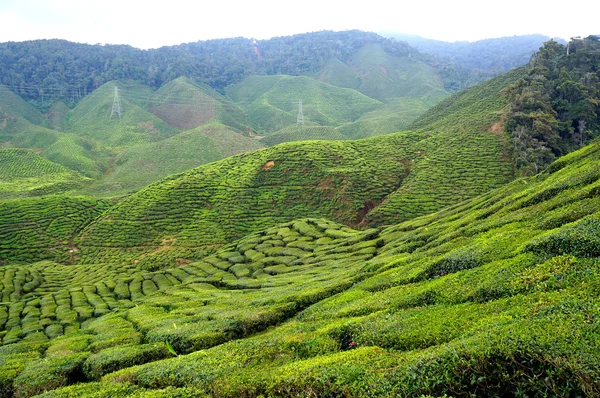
{"points": [[496, 295], [143, 164], [271, 102], [91, 118], [377, 74], [467, 145], [185, 105], [72, 151], [187, 214], [13, 105], [391, 117], [302, 132], [24, 173], [44, 227]]}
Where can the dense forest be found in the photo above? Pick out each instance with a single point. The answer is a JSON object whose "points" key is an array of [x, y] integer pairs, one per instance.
{"points": [[556, 107], [484, 58], [44, 71]]}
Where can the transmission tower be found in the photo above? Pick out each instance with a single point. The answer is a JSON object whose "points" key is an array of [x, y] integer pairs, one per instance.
{"points": [[116, 108], [300, 114]]}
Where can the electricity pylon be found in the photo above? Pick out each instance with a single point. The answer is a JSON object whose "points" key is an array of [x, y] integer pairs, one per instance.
{"points": [[116, 108], [300, 119]]}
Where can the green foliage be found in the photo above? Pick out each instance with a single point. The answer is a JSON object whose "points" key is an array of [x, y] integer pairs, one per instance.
{"points": [[396, 115], [43, 228], [23, 173], [91, 118], [143, 164], [555, 108], [439, 305], [271, 102], [302, 133]]}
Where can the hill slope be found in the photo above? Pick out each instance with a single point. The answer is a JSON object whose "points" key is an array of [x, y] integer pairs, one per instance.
{"points": [[92, 117], [377, 74], [185, 105], [13, 105], [143, 164], [470, 122], [496, 294], [271, 102], [24, 173]]}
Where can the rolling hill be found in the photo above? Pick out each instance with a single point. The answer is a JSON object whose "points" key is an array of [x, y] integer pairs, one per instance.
{"points": [[184, 104], [24, 173], [457, 153], [302, 132], [271, 102], [380, 75], [91, 118], [496, 294], [143, 164]]}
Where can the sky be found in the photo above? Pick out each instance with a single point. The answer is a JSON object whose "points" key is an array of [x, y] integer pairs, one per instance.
{"points": [[152, 24]]}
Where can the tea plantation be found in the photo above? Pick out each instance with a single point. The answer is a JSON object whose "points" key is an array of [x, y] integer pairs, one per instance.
{"points": [[23, 173], [496, 296]]}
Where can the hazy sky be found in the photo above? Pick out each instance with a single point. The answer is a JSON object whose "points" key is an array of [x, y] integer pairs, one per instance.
{"points": [[149, 24]]}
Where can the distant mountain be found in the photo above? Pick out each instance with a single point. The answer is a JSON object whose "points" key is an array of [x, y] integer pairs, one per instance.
{"points": [[488, 57]]}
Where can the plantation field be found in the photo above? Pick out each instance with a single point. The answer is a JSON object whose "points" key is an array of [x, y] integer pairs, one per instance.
{"points": [[44, 227], [24, 173], [391, 117], [271, 102], [380, 75], [497, 294], [219, 202], [91, 117], [144, 164], [302, 133], [185, 105]]}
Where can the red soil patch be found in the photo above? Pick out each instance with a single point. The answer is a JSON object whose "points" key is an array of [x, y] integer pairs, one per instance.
{"points": [[268, 166], [498, 128]]}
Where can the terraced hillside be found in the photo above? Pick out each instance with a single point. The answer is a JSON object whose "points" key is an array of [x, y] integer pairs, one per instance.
{"points": [[271, 102], [496, 295], [143, 164], [466, 150], [185, 215], [91, 118], [24, 173], [38, 228], [377, 181], [184, 104], [13, 105], [302, 132], [396, 115]]}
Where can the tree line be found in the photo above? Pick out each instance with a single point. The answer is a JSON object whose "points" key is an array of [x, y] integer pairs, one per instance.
{"points": [[556, 108]]}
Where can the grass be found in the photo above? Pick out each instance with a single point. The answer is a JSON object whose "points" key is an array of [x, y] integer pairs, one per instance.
{"points": [[489, 295], [24, 173]]}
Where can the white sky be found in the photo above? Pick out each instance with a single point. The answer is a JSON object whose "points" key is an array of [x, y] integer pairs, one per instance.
{"points": [[150, 24]]}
